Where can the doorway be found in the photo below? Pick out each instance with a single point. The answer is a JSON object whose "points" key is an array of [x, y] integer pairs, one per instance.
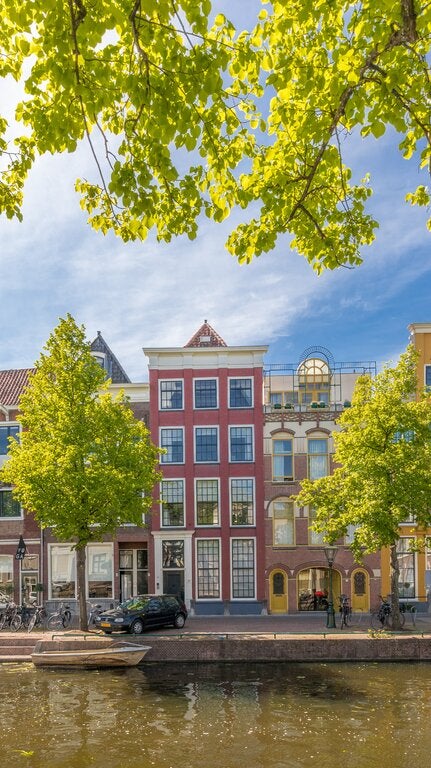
{"points": [[313, 589], [360, 591], [278, 592]]}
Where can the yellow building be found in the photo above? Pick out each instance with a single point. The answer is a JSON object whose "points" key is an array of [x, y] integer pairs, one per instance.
{"points": [[415, 567]]}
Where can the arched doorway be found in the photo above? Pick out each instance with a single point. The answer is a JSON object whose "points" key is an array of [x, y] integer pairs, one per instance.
{"points": [[313, 588], [360, 590], [278, 591]]}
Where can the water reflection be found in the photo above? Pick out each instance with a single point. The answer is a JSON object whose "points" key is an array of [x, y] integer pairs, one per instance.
{"points": [[261, 716]]}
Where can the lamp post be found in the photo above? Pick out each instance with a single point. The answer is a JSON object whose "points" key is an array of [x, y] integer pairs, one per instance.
{"points": [[330, 553]]}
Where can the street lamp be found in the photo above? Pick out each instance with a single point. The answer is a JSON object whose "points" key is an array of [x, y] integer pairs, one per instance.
{"points": [[330, 553]]}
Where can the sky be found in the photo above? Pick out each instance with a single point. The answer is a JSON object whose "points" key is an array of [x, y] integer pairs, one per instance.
{"points": [[149, 294]]}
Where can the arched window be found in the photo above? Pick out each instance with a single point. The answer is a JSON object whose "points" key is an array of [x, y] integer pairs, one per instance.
{"points": [[283, 523], [282, 458], [314, 378]]}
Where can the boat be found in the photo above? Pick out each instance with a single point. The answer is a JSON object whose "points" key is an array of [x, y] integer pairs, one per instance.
{"points": [[89, 654]]}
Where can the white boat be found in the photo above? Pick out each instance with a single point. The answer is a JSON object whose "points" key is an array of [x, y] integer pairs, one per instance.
{"points": [[75, 653]]}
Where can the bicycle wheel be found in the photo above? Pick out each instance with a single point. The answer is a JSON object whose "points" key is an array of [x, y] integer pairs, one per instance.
{"points": [[389, 621], [15, 622], [32, 622], [2, 620], [55, 621], [67, 618], [376, 621]]}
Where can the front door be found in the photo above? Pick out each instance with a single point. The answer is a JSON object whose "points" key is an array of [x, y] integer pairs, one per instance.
{"points": [[360, 591], [278, 592], [173, 583]]}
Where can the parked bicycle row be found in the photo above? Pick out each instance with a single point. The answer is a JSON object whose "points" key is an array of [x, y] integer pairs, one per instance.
{"points": [[28, 617]]}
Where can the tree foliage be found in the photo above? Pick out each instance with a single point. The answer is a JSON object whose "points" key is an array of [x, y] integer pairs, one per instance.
{"points": [[83, 464], [185, 116], [383, 453]]}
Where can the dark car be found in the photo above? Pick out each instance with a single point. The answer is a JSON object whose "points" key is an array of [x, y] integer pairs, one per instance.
{"points": [[143, 612]]}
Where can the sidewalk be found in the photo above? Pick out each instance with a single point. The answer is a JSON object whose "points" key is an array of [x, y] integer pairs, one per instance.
{"points": [[309, 622]]}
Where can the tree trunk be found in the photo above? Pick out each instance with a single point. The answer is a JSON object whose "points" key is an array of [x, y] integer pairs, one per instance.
{"points": [[82, 602], [395, 599]]}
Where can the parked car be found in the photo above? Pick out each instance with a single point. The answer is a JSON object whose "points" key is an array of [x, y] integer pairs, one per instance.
{"points": [[143, 612]]}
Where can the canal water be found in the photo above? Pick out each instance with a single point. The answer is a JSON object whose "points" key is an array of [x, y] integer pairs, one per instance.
{"points": [[217, 716]]}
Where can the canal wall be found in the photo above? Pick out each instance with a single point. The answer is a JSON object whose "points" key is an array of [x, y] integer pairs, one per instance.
{"points": [[328, 648]]}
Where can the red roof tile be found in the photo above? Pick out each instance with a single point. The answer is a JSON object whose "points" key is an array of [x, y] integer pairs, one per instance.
{"points": [[12, 385], [206, 336]]}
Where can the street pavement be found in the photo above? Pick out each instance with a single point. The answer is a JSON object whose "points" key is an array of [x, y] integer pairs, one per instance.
{"points": [[309, 622]]}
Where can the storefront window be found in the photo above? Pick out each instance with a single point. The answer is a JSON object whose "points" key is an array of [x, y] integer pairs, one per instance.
{"points": [[63, 571], [6, 574], [99, 570]]}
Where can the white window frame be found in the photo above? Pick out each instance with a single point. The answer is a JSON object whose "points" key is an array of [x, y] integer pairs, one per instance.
{"points": [[206, 426], [283, 500], [3, 456], [173, 480], [241, 426], [206, 407], [243, 599], [171, 381], [220, 565], [207, 525], [243, 525], [163, 456], [237, 378], [8, 489], [63, 544]]}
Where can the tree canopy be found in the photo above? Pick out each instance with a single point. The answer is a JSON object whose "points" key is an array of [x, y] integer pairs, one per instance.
{"points": [[184, 115], [83, 464], [383, 453]]}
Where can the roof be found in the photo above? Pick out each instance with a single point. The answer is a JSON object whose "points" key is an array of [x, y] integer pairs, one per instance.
{"points": [[206, 336], [113, 368], [12, 385]]}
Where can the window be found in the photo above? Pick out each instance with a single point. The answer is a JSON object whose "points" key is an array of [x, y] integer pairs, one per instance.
{"points": [[318, 463], [406, 562], [172, 496], [5, 434], [206, 444], [133, 572], [242, 501], [173, 441], [428, 375], [314, 539], [314, 379], [241, 444], [240, 393], [99, 570], [171, 395], [6, 574], [207, 502], [243, 579], [206, 393], [9, 507], [62, 565], [283, 523], [173, 554], [282, 459], [208, 569], [63, 571]]}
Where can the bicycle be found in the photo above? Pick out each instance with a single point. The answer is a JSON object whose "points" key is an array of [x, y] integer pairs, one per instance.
{"points": [[61, 618], [95, 610], [10, 617], [345, 612], [383, 617], [26, 612], [38, 618]]}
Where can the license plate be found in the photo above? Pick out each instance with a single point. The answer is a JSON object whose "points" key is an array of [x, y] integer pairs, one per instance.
{"points": [[104, 624]]}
